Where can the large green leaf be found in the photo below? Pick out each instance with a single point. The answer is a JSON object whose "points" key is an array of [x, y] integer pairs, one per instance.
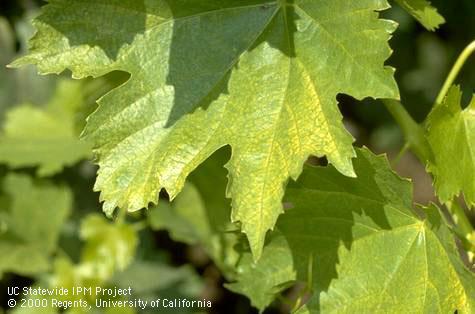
{"points": [[25, 247], [365, 249], [261, 76], [424, 12], [45, 137], [361, 248], [451, 134]]}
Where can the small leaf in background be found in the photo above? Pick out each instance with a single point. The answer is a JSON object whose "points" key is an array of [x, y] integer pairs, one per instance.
{"points": [[106, 262], [185, 218], [109, 246], [7, 45], [109, 249], [264, 281], [267, 88], [45, 136], [168, 282], [139, 273], [422, 10], [451, 134], [25, 85], [25, 247]]}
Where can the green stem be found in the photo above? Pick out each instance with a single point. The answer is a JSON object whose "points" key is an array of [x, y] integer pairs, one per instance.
{"points": [[300, 299], [413, 132], [401, 153], [285, 300], [466, 53], [460, 219], [463, 228]]}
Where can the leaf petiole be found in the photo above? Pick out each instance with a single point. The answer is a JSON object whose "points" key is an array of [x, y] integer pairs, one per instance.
{"points": [[466, 53], [464, 228], [413, 132], [401, 153]]}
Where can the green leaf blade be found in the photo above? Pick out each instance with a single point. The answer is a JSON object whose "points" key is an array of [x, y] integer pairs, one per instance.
{"points": [[110, 246], [264, 281], [361, 244], [424, 12], [25, 247], [453, 166], [360, 247], [45, 137], [269, 93]]}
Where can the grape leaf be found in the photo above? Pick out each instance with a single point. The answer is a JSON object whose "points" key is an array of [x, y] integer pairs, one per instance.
{"points": [[25, 247], [45, 137], [365, 250], [453, 165], [200, 214], [109, 246], [424, 12], [262, 282], [171, 283], [361, 248], [138, 275], [260, 76]]}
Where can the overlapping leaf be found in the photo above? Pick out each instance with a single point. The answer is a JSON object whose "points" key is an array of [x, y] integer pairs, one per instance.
{"points": [[451, 134], [25, 247], [45, 137], [200, 215], [262, 282], [261, 76], [424, 12], [364, 250], [362, 244]]}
